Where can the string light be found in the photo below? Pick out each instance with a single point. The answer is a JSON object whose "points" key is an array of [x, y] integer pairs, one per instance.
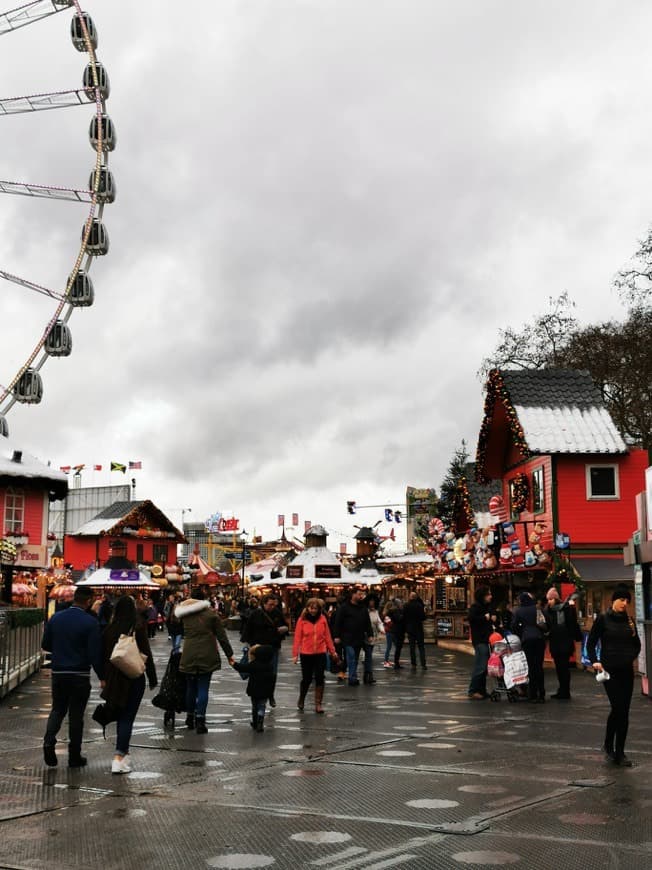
{"points": [[497, 391]]}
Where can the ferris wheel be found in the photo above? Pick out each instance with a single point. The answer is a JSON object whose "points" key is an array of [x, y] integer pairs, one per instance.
{"points": [[25, 384]]}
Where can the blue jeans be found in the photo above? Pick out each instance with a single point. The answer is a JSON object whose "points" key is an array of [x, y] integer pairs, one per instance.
{"points": [[352, 655], [258, 709], [197, 693], [388, 646], [478, 682], [176, 642], [128, 715]]}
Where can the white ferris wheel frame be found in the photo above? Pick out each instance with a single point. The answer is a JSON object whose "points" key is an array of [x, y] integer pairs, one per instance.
{"points": [[12, 20]]}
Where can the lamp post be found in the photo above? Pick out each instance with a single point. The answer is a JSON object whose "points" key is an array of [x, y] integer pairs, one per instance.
{"points": [[243, 538], [184, 511]]}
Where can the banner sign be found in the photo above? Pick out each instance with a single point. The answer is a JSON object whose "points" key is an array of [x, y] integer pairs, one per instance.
{"points": [[129, 575], [328, 572], [294, 572]]}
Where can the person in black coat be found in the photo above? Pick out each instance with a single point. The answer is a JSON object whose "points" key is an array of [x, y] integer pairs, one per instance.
{"points": [[482, 619], [121, 692], [414, 615], [260, 686], [266, 626], [352, 628], [529, 624], [563, 631], [616, 631], [395, 613]]}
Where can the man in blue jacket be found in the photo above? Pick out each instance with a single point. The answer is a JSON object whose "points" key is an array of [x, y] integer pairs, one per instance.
{"points": [[72, 636]]}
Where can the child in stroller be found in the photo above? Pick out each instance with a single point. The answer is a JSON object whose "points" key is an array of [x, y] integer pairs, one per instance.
{"points": [[507, 655]]}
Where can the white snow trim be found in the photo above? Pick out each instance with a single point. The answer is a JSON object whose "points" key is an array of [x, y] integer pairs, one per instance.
{"points": [[569, 430], [190, 605]]}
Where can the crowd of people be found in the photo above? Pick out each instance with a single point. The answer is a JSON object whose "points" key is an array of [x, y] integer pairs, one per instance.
{"points": [[612, 648], [333, 638]]}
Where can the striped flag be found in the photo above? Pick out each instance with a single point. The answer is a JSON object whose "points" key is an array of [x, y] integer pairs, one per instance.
{"points": [[295, 520], [135, 466], [65, 468], [281, 519], [306, 526], [118, 466]]}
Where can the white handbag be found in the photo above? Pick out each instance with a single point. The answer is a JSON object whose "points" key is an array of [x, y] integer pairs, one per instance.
{"points": [[127, 658]]}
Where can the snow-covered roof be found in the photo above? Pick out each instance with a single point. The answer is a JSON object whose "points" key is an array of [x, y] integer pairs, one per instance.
{"points": [[30, 468], [569, 430], [408, 559], [123, 578], [561, 411]]}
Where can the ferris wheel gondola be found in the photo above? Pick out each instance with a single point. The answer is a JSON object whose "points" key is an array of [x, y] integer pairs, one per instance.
{"points": [[25, 385]]}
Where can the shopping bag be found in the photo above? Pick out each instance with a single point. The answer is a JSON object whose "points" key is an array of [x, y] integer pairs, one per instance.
{"points": [[172, 692], [516, 670], [127, 658], [495, 666], [586, 661]]}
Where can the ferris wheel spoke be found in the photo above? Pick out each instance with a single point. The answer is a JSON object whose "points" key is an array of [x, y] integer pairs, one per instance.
{"points": [[41, 102], [29, 13], [40, 190], [29, 285]]}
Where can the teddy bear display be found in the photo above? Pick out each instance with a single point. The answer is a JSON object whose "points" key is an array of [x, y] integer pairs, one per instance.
{"points": [[506, 560]]}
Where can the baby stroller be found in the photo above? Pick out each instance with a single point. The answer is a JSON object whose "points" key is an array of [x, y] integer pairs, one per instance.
{"points": [[508, 667]]}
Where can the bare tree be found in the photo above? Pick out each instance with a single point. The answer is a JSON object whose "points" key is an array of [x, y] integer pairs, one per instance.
{"points": [[538, 344], [634, 281]]}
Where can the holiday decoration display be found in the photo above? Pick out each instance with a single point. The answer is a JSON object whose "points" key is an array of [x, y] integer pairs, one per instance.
{"points": [[497, 392], [520, 490]]}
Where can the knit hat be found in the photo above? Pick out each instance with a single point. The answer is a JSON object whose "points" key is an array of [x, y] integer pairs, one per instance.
{"points": [[524, 599], [553, 591], [621, 591]]}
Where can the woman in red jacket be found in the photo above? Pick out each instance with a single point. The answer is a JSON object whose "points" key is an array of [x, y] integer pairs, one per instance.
{"points": [[312, 640]]}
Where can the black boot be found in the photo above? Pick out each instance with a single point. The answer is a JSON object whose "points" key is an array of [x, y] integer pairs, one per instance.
{"points": [[200, 725], [369, 678], [303, 691], [190, 720], [168, 719], [260, 726]]}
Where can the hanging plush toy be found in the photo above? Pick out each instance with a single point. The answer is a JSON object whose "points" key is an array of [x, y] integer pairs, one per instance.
{"points": [[530, 558], [458, 550], [451, 562], [469, 563], [506, 555], [489, 562], [517, 555]]}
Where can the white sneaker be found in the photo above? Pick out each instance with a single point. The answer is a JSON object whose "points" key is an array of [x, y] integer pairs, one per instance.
{"points": [[121, 765]]}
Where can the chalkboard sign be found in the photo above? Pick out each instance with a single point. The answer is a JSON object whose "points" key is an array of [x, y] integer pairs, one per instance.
{"points": [[440, 595]]}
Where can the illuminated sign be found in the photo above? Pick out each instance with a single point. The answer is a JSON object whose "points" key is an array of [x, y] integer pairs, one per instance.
{"points": [[218, 524], [294, 572]]}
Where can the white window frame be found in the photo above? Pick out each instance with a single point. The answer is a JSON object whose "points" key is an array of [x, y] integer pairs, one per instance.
{"points": [[589, 493], [14, 506], [539, 470]]}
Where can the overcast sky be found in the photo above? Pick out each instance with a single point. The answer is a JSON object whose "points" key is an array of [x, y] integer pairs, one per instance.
{"points": [[326, 211]]}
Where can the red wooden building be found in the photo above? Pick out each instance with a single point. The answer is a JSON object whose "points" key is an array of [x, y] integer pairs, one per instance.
{"points": [[148, 535], [27, 486], [563, 464]]}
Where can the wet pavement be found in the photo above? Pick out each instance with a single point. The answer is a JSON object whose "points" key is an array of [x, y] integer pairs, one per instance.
{"points": [[407, 773]]}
